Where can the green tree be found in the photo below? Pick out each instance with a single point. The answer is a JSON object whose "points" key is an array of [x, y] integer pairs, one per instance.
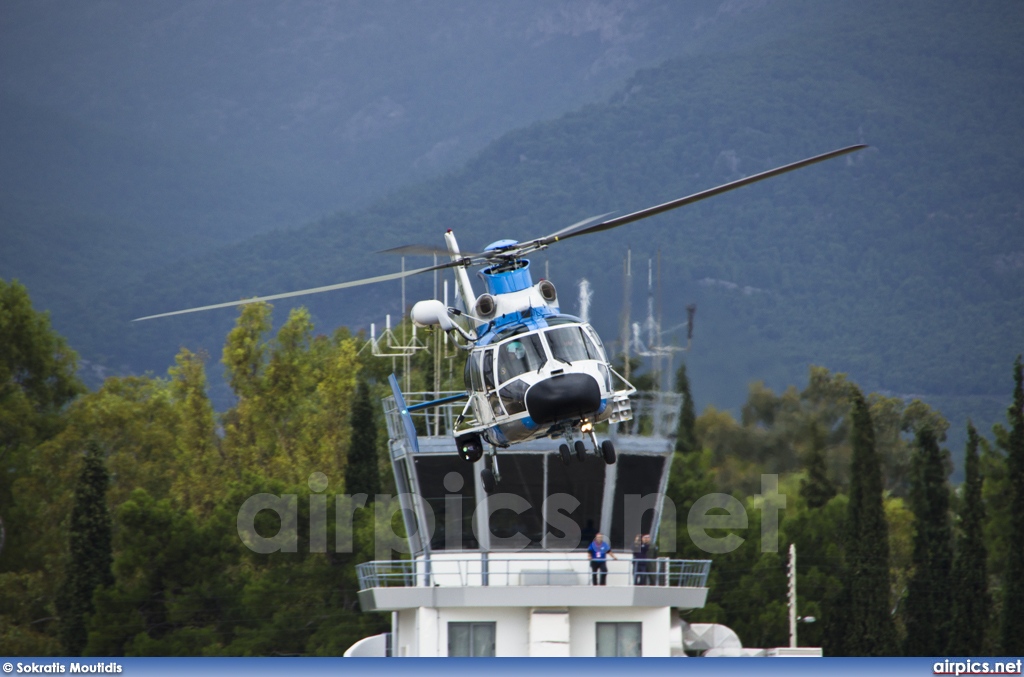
{"points": [[174, 593], [37, 372], [362, 475], [89, 564], [814, 531], [970, 597], [26, 609], [336, 369], [686, 432], [37, 380], [244, 359], [817, 489], [1013, 585], [926, 605], [201, 464], [294, 397], [868, 626]]}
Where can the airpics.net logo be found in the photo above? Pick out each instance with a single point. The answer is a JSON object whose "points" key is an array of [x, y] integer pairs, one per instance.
{"points": [[711, 522], [968, 667]]}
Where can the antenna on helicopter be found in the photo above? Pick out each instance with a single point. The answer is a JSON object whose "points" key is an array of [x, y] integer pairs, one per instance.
{"points": [[627, 286], [586, 294]]}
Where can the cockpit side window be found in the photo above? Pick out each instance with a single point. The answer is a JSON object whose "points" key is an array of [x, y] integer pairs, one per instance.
{"points": [[520, 355], [567, 344], [594, 347], [473, 366], [489, 369]]}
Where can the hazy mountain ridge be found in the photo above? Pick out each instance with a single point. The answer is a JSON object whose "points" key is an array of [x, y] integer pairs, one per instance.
{"points": [[184, 126], [896, 265]]}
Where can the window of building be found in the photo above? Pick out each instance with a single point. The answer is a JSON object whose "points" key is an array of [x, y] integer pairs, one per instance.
{"points": [[471, 639], [619, 639]]}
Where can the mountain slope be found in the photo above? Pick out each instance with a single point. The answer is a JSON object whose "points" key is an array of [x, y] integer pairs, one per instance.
{"points": [[902, 265]]}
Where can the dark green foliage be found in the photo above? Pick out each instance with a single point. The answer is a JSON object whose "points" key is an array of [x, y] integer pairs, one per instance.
{"points": [[1013, 586], [969, 582], [37, 379], [926, 607], [686, 432], [691, 477], [36, 365], [362, 475], [819, 568], [167, 580], [817, 489], [868, 626], [89, 564], [189, 587]]}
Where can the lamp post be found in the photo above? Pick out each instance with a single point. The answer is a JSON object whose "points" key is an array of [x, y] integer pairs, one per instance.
{"points": [[793, 617]]}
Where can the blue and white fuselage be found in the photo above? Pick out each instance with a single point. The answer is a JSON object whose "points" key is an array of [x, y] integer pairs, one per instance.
{"points": [[532, 371]]}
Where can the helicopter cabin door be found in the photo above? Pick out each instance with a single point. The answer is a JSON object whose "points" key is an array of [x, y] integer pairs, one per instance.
{"points": [[488, 377]]}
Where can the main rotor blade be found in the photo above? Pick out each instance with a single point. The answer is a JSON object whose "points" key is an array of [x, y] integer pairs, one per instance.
{"points": [[696, 197], [560, 235], [315, 290], [414, 250]]}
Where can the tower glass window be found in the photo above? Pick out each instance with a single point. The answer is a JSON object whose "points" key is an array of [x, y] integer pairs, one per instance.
{"points": [[471, 639], [619, 639]]}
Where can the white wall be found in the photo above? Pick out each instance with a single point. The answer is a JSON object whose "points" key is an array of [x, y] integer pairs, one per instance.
{"points": [[512, 627], [405, 641], [655, 633], [424, 631]]}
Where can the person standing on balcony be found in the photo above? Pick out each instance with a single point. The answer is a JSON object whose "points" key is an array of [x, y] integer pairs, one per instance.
{"points": [[645, 565], [598, 553], [637, 556]]}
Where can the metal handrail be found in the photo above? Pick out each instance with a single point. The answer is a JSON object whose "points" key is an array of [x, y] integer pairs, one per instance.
{"points": [[511, 571]]}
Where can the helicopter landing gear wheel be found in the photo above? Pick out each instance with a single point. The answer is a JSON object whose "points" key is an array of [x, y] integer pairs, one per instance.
{"points": [[581, 450], [487, 477], [563, 451], [608, 452]]}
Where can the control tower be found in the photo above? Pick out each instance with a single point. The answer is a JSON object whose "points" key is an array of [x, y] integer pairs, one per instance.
{"points": [[507, 573]]}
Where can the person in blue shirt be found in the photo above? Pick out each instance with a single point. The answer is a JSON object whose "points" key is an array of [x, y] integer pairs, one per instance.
{"points": [[598, 553]]}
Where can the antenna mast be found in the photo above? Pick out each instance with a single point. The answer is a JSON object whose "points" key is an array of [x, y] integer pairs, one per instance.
{"points": [[627, 285]]}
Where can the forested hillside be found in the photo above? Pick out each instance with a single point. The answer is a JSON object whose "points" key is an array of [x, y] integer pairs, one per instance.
{"points": [[902, 265]]}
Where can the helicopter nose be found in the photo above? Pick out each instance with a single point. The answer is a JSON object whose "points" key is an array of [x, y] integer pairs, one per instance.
{"points": [[562, 397]]}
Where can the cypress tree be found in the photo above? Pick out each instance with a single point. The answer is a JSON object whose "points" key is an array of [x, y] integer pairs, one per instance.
{"points": [[926, 605], [686, 431], [89, 564], [969, 585], [1013, 600], [869, 628], [361, 474]]}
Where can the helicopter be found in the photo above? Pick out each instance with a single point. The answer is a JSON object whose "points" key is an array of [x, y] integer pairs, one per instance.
{"points": [[531, 370]]}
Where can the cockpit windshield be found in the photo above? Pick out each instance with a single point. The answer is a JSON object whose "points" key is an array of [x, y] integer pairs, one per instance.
{"points": [[520, 355], [568, 344]]}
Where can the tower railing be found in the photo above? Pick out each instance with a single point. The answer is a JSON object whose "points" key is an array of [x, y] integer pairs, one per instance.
{"points": [[494, 571]]}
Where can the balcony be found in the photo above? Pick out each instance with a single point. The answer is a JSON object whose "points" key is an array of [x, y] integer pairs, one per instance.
{"points": [[545, 580]]}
